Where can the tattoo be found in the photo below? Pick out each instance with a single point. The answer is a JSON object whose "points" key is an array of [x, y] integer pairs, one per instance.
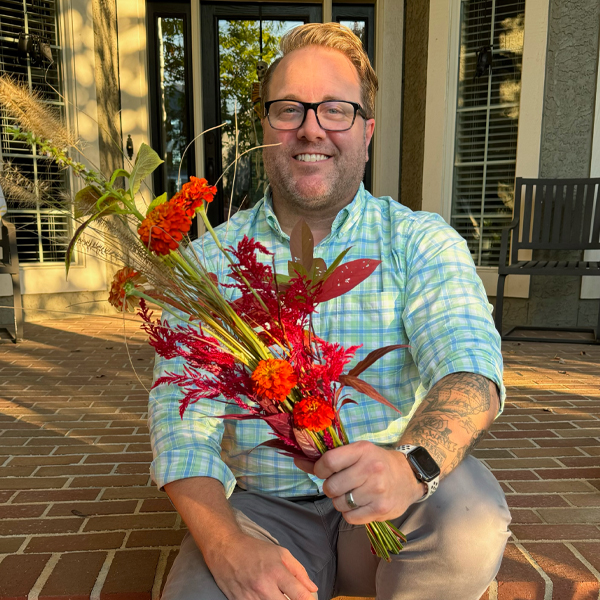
{"points": [[453, 402], [466, 450]]}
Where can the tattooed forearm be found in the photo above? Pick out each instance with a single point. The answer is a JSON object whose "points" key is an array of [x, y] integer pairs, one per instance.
{"points": [[453, 418], [466, 450]]}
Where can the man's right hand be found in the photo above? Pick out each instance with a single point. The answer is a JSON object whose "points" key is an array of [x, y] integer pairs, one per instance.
{"points": [[246, 568]]}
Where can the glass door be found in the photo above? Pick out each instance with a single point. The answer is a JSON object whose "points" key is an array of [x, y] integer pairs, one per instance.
{"points": [[236, 40], [171, 108]]}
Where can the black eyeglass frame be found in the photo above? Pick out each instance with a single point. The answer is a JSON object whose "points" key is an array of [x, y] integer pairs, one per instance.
{"points": [[314, 106]]}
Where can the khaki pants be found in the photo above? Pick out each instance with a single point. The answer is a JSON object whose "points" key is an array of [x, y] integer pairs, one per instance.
{"points": [[456, 540]]}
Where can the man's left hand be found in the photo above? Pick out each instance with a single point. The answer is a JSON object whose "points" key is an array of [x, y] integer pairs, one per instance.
{"points": [[381, 481]]}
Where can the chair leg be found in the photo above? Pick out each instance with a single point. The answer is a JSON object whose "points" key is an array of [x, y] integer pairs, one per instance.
{"points": [[18, 308], [499, 303], [598, 327]]}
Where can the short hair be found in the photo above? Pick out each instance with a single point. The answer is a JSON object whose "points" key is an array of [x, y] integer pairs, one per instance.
{"points": [[337, 37]]}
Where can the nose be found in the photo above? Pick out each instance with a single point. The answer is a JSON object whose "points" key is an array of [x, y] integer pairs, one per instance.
{"points": [[311, 130]]}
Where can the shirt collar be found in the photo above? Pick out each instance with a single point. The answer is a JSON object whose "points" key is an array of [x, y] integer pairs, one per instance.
{"points": [[342, 224]]}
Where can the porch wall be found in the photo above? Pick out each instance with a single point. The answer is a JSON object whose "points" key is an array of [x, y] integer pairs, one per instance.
{"points": [[566, 151]]}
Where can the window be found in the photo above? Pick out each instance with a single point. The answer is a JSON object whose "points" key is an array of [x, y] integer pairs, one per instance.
{"points": [[487, 119], [40, 231]]}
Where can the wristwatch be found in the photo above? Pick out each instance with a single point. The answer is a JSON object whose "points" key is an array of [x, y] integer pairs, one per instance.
{"points": [[424, 467]]}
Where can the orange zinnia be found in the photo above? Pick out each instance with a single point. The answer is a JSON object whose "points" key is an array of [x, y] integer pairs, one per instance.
{"points": [[274, 379], [164, 227], [194, 193], [314, 414], [118, 293]]}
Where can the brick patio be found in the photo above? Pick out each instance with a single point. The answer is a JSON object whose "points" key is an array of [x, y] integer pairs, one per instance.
{"points": [[80, 518]]}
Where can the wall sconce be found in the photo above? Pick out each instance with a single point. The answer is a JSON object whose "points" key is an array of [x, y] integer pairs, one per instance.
{"points": [[129, 147]]}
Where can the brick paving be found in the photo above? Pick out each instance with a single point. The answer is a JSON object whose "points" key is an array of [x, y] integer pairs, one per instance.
{"points": [[80, 518]]}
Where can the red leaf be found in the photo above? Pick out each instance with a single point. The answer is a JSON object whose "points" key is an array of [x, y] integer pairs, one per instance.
{"points": [[302, 245], [287, 450], [365, 388], [346, 277], [281, 423], [366, 362], [306, 443]]}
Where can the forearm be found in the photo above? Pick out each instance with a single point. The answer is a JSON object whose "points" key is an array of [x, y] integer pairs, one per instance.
{"points": [[453, 418], [202, 504]]}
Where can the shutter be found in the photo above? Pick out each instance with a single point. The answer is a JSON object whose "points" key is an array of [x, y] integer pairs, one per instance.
{"points": [[487, 120], [41, 231]]}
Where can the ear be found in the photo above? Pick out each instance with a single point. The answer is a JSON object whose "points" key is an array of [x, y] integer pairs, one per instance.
{"points": [[369, 129]]}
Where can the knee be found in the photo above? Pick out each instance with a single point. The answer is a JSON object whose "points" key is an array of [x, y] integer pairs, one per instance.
{"points": [[475, 534]]}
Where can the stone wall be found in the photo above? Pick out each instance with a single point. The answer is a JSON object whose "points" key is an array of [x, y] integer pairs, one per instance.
{"points": [[566, 147]]}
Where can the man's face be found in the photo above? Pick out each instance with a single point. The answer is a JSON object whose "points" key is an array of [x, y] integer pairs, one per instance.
{"points": [[313, 74]]}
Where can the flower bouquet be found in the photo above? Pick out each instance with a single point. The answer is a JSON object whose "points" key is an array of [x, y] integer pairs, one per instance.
{"points": [[257, 352]]}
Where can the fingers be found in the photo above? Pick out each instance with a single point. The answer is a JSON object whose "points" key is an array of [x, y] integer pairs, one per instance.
{"points": [[299, 572], [338, 459]]}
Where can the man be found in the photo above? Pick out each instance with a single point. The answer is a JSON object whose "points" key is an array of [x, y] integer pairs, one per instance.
{"points": [[290, 530]]}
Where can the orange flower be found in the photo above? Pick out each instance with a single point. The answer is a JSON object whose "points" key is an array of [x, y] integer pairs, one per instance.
{"points": [[164, 227], [314, 414], [118, 296], [274, 378], [194, 193]]}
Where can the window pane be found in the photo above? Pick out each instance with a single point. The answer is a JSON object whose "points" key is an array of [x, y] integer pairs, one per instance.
{"points": [[173, 122], [487, 119], [359, 28], [41, 234]]}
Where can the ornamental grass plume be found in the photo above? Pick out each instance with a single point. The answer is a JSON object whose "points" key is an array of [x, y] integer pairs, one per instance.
{"points": [[27, 108]]}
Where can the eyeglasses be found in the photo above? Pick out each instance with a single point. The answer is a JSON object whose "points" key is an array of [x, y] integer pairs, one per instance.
{"points": [[332, 115]]}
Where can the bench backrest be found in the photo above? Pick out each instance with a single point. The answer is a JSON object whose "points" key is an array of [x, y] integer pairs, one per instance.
{"points": [[557, 214], [9, 260]]}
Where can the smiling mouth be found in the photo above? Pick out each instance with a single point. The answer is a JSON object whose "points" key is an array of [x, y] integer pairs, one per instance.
{"points": [[311, 157]]}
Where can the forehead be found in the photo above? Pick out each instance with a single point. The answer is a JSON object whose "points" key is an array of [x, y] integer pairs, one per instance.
{"points": [[315, 73]]}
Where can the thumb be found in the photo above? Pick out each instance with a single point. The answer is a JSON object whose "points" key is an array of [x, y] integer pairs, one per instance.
{"points": [[305, 465]]}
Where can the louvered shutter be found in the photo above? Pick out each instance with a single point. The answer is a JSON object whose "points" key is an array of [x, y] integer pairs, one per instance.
{"points": [[40, 231], [487, 119]]}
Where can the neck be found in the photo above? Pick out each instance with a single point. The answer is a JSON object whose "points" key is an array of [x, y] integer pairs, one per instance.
{"points": [[320, 221]]}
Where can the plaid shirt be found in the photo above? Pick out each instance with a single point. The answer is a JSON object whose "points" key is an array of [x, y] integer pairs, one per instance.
{"points": [[425, 293]]}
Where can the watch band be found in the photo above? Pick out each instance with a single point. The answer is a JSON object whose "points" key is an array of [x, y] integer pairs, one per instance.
{"points": [[432, 485]]}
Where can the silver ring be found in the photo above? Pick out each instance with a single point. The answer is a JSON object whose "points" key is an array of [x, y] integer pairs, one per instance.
{"points": [[350, 501]]}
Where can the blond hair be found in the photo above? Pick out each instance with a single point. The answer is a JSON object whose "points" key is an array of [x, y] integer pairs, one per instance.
{"points": [[337, 37]]}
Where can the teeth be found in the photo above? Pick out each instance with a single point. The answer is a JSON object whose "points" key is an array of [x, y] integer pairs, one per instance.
{"points": [[311, 157]]}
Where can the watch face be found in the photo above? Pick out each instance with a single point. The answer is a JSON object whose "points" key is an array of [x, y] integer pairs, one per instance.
{"points": [[424, 464]]}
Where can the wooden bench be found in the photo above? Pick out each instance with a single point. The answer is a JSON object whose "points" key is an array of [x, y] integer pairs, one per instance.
{"points": [[551, 214], [9, 263]]}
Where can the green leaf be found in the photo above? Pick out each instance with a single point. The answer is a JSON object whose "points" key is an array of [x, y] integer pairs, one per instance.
{"points": [[296, 269], [85, 201], [156, 202], [319, 268], [302, 245], [365, 388], [333, 266], [118, 173], [145, 162], [374, 356]]}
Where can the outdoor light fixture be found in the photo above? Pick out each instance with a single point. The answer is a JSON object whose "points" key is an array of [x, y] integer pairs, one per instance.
{"points": [[129, 147], [33, 47]]}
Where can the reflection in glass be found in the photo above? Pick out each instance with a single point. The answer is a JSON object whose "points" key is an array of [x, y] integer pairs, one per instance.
{"points": [[359, 28], [239, 52], [487, 119], [173, 119]]}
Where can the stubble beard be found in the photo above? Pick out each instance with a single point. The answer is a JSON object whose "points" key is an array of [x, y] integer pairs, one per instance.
{"points": [[333, 193]]}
